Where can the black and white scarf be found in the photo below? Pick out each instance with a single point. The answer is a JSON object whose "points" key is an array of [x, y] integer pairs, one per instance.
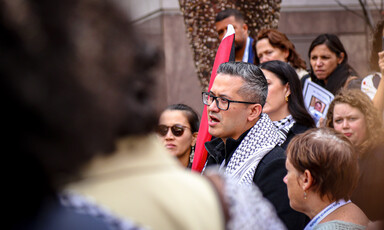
{"points": [[260, 140], [284, 125]]}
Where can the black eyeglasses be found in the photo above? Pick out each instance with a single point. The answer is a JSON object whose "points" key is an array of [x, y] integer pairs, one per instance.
{"points": [[177, 130], [221, 103]]}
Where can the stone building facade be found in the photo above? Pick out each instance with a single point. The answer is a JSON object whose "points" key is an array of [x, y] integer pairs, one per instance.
{"points": [[161, 23]]}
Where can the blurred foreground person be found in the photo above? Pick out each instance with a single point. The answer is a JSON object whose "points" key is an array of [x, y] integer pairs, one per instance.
{"points": [[353, 114], [178, 127], [74, 78], [322, 173], [80, 111]]}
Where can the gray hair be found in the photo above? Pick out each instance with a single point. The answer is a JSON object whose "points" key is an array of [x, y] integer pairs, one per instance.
{"points": [[255, 88]]}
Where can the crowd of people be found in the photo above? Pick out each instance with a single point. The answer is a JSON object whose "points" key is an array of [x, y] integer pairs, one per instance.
{"points": [[91, 151]]}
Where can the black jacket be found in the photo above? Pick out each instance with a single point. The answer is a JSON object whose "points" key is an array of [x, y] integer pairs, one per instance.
{"points": [[296, 129], [268, 177]]}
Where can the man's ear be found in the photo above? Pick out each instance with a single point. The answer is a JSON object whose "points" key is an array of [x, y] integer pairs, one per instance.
{"points": [[245, 27], [306, 180], [255, 112]]}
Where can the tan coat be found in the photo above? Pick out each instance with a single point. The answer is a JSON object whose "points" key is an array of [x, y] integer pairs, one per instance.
{"points": [[143, 183]]}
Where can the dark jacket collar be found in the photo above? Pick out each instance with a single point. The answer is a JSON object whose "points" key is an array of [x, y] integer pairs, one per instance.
{"points": [[220, 151]]}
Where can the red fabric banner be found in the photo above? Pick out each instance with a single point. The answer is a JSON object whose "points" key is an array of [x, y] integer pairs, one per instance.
{"points": [[225, 53]]}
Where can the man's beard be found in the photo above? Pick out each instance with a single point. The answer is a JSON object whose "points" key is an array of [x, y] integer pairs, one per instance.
{"points": [[238, 46]]}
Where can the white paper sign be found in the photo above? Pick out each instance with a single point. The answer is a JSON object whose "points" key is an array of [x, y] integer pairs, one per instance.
{"points": [[316, 100]]}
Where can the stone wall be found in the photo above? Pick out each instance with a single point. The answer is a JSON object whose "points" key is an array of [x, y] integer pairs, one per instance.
{"points": [[177, 78]]}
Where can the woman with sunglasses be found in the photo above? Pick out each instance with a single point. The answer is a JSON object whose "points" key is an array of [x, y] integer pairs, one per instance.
{"points": [[178, 127]]}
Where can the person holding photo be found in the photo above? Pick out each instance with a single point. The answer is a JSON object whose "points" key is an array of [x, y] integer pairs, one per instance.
{"points": [[329, 63]]}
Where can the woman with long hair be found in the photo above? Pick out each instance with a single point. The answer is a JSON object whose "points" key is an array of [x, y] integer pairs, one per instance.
{"points": [[329, 63], [285, 103]]}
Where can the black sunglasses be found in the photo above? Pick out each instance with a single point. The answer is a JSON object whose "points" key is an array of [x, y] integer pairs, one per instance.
{"points": [[177, 130]]}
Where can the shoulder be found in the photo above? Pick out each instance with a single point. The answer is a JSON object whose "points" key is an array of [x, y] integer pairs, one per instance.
{"points": [[374, 154], [304, 78], [275, 156], [272, 163], [337, 224], [350, 214], [88, 209], [298, 128], [77, 213], [277, 153], [301, 72]]}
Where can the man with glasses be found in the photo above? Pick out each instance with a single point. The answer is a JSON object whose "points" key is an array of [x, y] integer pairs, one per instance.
{"points": [[247, 143]]}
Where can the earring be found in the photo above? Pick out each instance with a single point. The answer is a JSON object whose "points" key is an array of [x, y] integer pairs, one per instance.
{"points": [[305, 195], [192, 154], [286, 98]]}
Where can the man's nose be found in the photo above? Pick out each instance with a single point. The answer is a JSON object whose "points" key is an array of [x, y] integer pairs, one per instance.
{"points": [[213, 106], [264, 59]]}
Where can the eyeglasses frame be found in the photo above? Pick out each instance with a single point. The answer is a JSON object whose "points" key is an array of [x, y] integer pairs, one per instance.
{"points": [[218, 104]]}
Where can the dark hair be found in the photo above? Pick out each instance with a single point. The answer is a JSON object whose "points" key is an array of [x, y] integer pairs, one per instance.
{"points": [[331, 160], [280, 40], [377, 45], [336, 80], [287, 74], [229, 12], [357, 99], [74, 76], [193, 118], [255, 88]]}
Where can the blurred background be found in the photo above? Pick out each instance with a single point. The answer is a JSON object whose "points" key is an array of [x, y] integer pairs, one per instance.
{"points": [[162, 24]]}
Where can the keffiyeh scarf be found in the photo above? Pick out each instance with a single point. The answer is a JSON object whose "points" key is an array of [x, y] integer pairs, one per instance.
{"points": [[260, 140], [284, 125]]}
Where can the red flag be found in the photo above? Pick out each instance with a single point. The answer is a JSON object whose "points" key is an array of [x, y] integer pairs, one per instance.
{"points": [[225, 53]]}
